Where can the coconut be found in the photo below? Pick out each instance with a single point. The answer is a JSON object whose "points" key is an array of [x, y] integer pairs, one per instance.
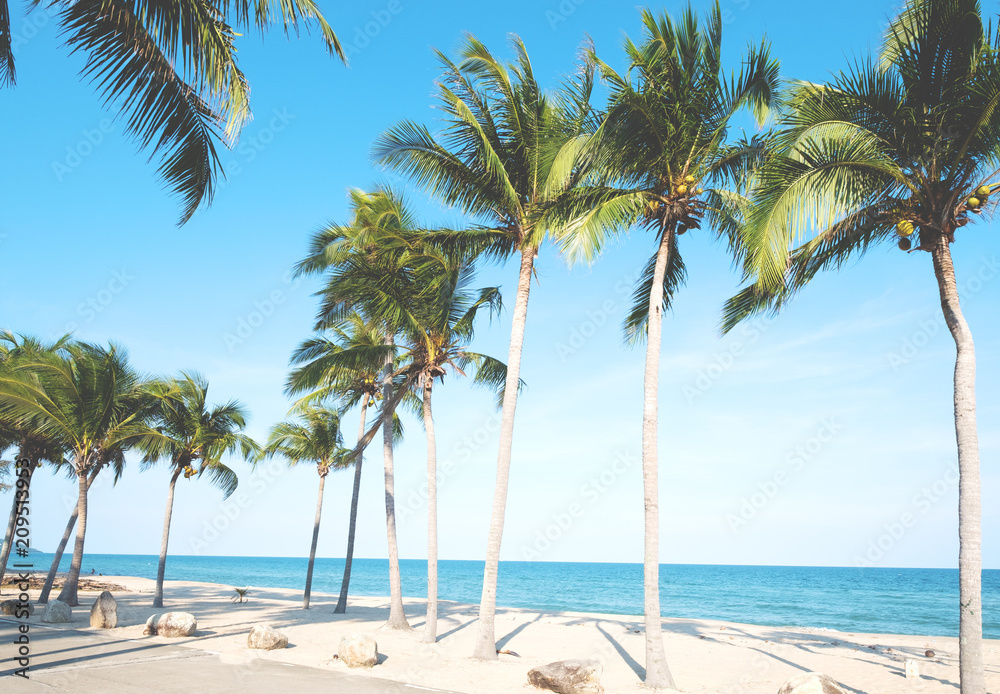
{"points": [[983, 191], [905, 244], [973, 203], [904, 227], [682, 190], [689, 179]]}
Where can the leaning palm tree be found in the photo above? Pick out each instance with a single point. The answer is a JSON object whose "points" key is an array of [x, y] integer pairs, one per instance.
{"points": [[903, 150], [170, 69], [438, 325], [506, 152], [346, 367], [664, 134], [364, 263], [95, 404], [316, 439], [33, 446], [190, 433]]}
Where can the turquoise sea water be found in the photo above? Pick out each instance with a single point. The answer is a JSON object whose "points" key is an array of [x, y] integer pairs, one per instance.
{"points": [[876, 600]]}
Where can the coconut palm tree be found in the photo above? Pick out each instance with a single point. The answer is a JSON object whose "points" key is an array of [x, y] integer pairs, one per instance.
{"points": [[663, 136], [506, 151], [170, 69], [33, 446], [190, 433], [903, 150], [346, 367], [364, 263], [95, 404], [437, 328], [316, 439]]}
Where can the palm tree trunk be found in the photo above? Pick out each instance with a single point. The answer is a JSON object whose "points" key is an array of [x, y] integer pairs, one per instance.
{"points": [[657, 673], [8, 538], [315, 539], [349, 558], [397, 616], [161, 570], [970, 563], [485, 647], [68, 594], [430, 628], [43, 597]]}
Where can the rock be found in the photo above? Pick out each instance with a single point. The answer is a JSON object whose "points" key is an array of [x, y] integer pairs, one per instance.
{"points": [[358, 650], [57, 612], [912, 669], [171, 625], [811, 683], [265, 638], [104, 613], [12, 607], [569, 677]]}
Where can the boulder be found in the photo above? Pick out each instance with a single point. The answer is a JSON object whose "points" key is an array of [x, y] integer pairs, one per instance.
{"points": [[358, 650], [12, 607], [568, 677], [265, 638], [104, 613], [811, 683], [171, 625], [57, 612]]}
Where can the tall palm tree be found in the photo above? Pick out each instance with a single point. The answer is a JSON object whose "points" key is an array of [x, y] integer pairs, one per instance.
{"points": [[437, 328], [333, 368], [33, 446], [188, 430], [95, 404], [364, 263], [170, 69], [901, 150], [317, 439], [664, 134], [506, 152]]}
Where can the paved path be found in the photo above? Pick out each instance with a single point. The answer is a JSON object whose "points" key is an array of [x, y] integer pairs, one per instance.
{"points": [[69, 660]]}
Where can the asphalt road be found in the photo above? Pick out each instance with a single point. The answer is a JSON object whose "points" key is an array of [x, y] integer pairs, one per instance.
{"points": [[70, 660]]}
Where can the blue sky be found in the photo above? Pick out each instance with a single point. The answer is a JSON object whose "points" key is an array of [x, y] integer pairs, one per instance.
{"points": [[824, 437]]}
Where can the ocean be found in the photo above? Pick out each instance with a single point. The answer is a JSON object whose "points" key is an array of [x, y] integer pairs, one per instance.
{"points": [[873, 600]]}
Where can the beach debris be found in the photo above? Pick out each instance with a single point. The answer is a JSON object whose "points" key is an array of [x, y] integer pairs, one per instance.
{"points": [[568, 677], [57, 612], [264, 638], [811, 683], [358, 650], [241, 595], [104, 613], [929, 653], [912, 669], [508, 653], [12, 607], [171, 625]]}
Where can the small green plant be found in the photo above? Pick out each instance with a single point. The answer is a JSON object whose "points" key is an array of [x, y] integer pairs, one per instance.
{"points": [[241, 595]]}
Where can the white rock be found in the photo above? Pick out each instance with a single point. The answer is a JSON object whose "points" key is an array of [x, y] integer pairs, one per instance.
{"points": [[265, 638], [57, 612], [104, 613], [568, 677], [811, 683], [171, 625], [358, 650]]}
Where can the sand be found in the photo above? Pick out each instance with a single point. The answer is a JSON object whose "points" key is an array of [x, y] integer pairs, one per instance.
{"points": [[704, 655]]}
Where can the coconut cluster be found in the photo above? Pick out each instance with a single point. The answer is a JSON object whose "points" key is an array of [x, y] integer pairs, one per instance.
{"points": [[978, 199]]}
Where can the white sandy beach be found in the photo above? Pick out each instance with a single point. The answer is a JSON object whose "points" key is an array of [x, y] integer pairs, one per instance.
{"points": [[704, 655]]}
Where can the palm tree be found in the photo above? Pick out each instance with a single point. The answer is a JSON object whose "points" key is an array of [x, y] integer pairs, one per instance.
{"points": [[664, 132], [317, 439], [365, 266], [346, 368], [170, 69], [188, 431], [33, 446], [506, 152], [95, 404], [901, 150], [438, 326]]}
